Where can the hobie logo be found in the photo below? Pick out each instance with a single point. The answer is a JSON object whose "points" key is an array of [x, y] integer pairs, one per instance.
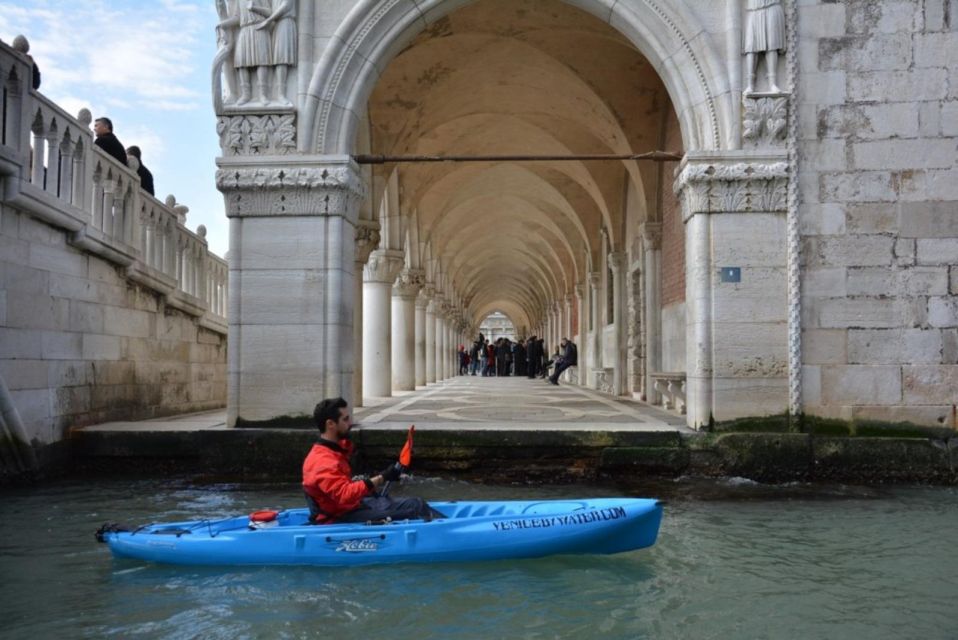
{"points": [[357, 546]]}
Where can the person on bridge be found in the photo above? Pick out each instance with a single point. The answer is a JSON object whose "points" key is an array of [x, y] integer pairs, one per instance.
{"points": [[107, 140], [331, 493], [568, 358]]}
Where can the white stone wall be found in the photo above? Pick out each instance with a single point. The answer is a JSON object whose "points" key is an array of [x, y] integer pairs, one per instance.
{"points": [[878, 173], [81, 344]]}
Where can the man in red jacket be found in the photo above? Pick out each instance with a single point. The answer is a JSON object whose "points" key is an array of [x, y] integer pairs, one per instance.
{"points": [[332, 494]]}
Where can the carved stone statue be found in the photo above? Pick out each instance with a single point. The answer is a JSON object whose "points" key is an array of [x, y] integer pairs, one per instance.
{"points": [[252, 50], [284, 43], [764, 33]]}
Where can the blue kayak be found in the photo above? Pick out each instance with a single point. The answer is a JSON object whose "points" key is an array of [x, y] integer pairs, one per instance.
{"points": [[470, 531]]}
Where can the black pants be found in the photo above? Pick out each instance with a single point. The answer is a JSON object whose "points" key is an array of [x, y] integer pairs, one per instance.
{"points": [[560, 367], [382, 507]]}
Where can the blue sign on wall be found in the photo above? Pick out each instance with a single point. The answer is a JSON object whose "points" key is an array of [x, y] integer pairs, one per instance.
{"points": [[731, 274]]}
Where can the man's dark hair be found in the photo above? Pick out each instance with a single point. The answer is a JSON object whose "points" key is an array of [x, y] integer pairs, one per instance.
{"points": [[133, 151], [107, 122], [328, 409]]}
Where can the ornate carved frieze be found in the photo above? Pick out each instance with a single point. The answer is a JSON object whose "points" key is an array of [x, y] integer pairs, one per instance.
{"points": [[764, 121], [409, 282], [738, 187], [255, 135], [383, 266], [289, 190]]}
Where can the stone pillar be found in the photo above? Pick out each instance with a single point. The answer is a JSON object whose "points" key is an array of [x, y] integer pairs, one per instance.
{"points": [[735, 284], [290, 302], [652, 272], [405, 291], [617, 263], [567, 317], [595, 281], [367, 239], [440, 347], [580, 293], [429, 296], [421, 304], [378, 278]]}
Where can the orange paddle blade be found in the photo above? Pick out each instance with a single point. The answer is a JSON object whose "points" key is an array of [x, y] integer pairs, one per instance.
{"points": [[405, 456]]}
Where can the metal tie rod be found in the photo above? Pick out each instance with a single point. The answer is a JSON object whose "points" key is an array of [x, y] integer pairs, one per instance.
{"points": [[654, 156]]}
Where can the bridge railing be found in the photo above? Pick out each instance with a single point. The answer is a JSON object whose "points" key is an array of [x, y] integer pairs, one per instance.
{"points": [[51, 169]]}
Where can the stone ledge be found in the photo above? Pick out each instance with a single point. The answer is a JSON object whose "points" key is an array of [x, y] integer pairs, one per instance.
{"points": [[534, 456]]}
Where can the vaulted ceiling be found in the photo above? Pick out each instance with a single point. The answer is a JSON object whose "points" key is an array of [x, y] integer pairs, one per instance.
{"points": [[519, 77]]}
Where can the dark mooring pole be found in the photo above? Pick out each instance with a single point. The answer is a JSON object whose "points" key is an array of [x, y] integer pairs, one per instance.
{"points": [[654, 156]]}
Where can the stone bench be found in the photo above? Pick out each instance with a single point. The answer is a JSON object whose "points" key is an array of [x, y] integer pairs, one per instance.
{"points": [[570, 375], [672, 387], [604, 380]]}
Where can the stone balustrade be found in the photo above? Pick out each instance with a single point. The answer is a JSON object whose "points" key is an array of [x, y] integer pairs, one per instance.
{"points": [[51, 169], [671, 385]]}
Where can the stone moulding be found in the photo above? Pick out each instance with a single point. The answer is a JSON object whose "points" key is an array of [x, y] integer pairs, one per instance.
{"points": [[290, 190], [740, 187], [765, 120]]}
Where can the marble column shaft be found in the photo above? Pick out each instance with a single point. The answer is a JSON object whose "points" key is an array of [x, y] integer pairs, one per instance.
{"points": [[378, 278], [404, 294], [421, 304]]}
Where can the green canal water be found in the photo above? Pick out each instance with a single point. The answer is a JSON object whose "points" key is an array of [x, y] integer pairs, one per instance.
{"points": [[734, 560]]}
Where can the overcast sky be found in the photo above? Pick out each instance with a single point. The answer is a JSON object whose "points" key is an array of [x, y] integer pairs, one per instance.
{"points": [[145, 64]]}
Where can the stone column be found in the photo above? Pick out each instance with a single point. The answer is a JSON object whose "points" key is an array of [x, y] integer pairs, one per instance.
{"points": [[580, 293], [405, 291], [378, 278], [567, 317], [421, 304], [290, 302], [429, 296], [652, 272], [735, 284], [617, 263], [367, 239], [595, 281], [440, 338]]}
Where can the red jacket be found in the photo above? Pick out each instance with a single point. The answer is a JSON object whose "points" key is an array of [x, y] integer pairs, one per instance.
{"points": [[327, 479]]}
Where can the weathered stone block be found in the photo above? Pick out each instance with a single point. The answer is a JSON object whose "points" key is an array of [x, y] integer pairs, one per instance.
{"points": [[872, 217], [942, 251], [861, 384], [894, 346], [923, 281], [897, 86], [871, 281], [57, 259], [57, 345], [821, 21], [861, 313], [824, 282], [99, 347], [106, 373], [866, 53], [824, 346], [811, 385], [936, 49], [65, 373], [953, 280], [949, 118], [904, 252], [862, 186], [943, 311], [36, 311], [929, 185], [823, 88], [925, 384], [853, 251], [904, 154], [24, 374], [929, 219]]}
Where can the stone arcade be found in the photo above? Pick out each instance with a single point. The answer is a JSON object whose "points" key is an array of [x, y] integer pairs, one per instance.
{"points": [[800, 258]]}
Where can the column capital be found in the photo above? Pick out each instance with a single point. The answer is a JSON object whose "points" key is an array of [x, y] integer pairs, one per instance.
{"points": [[291, 186], [733, 182], [367, 239], [595, 279], [616, 260], [651, 234], [580, 291], [383, 266], [409, 282]]}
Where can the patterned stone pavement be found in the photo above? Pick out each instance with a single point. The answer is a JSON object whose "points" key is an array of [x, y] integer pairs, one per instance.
{"points": [[469, 402]]}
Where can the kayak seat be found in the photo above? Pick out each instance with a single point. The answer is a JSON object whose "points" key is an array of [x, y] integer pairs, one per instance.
{"points": [[314, 510]]}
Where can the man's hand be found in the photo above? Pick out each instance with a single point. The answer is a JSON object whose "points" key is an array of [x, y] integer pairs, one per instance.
{"points": [[391, 473]]}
